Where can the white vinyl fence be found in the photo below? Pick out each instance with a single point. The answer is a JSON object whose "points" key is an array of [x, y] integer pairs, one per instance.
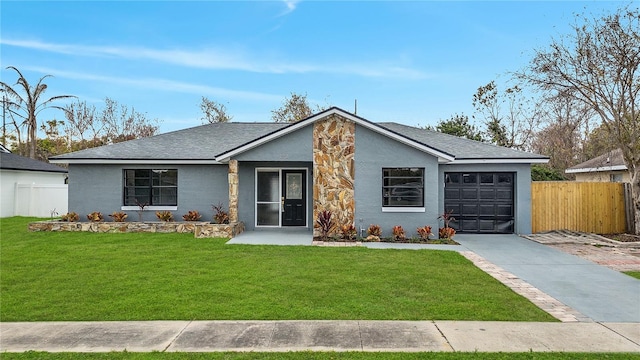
{"points": [[40, 199]]}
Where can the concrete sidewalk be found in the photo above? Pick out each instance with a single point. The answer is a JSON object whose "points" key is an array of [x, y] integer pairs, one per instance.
{"points": [[281, 336]]}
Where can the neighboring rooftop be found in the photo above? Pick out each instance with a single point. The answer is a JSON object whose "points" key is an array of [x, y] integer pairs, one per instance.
{"points": [[609, 161], [9, 161]]}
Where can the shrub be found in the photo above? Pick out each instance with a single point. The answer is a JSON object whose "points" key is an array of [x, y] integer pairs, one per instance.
{"points": [[348, 232], [398, 233], [374, 230], [424, 232], [192, 215], [325, 223], [446, 217], [164, 216], [95, 216], [118, 216], [70, 216], [446, 232], [220, 216]]}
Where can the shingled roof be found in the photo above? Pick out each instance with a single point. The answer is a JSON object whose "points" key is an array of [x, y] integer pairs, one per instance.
{"points": [[609, 161], [204, 144], [9, 161]]}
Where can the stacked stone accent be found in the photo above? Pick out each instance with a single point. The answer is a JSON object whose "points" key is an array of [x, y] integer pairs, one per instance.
{"points": [[233, 191], [333, 169], [199, 229]]}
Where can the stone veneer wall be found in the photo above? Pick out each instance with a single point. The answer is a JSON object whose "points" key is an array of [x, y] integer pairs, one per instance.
{"points": [[334, 169], [233, 191], [199, 229]]}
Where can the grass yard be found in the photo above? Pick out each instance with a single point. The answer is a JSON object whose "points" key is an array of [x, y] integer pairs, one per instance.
{"points": [[635, 274], [317, 356], [48, 276]]}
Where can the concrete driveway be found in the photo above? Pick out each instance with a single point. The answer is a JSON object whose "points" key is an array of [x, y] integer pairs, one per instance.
{"points": [[602, 294]]}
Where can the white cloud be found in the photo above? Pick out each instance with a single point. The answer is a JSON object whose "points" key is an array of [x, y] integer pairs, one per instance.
{"points": [[223, 59], [160, 84]]}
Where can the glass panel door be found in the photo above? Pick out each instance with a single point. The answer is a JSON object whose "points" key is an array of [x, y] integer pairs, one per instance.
{"points": [[268, 198]]}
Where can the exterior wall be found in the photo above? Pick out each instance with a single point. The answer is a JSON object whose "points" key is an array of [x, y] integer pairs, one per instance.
{"points": [[374, 152], [602, 176], [8, 181], [334, 169], [100, 188], [295, 146], [247, 189], [522, 189]]}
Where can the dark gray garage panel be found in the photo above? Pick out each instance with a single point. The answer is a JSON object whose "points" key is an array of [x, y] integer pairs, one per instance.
{"points": [[482, 202]]}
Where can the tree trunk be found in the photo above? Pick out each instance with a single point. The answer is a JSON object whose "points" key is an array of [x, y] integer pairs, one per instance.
{"points": [[33, 139], [635, 196]]}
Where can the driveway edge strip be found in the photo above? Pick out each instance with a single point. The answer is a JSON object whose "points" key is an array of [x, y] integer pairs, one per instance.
{"points": [[541, 299]]}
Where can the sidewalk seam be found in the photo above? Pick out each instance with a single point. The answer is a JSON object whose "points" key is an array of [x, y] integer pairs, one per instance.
{"points": [[443, 335], [360, 334], [610, 329], [177, 336]]}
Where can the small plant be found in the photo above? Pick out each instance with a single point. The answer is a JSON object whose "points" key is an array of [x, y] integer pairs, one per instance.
{"points": [[398, 233], [424, 232], [220, 216], [95, 216], [192, 215], [325, 223], [446, 233], [165, 216], [53, 213], [348, 232], [446, 218], [140, 211], [118, 216], [70, 216], [374, 230]]}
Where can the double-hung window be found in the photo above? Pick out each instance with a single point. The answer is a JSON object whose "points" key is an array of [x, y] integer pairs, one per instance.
{"points": [[153, 187], [403, 187]]}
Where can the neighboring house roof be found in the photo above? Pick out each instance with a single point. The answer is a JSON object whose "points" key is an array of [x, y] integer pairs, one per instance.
{"points": [[216, 143], [9, 161], [610, 161]]}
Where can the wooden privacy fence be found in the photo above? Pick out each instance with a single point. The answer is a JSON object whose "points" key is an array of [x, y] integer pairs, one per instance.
{"points": [[594, 207]]}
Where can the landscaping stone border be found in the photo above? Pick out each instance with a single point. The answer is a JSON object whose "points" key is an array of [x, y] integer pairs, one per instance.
{"points": [[199, 229]]}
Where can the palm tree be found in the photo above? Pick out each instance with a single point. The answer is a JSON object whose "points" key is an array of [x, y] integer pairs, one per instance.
{"points": [[28, 107]]}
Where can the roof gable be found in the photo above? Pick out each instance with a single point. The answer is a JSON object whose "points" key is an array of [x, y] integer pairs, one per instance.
{"points": [[442, 156]]}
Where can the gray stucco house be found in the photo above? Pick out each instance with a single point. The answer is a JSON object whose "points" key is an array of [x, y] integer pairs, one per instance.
{"points": [[273, 175]]}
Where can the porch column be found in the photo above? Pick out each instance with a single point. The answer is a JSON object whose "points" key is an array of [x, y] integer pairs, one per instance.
{"points": [[233, 191]]}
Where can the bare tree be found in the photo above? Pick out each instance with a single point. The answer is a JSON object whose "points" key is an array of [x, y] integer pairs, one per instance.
{"points": [[293, 109], [213, 112], [28, 105], [121, 124], [598, 64], [511, 120]]}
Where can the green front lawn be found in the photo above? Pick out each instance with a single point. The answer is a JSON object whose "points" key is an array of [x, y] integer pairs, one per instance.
{"points": [[635, 274], [47, 276]]}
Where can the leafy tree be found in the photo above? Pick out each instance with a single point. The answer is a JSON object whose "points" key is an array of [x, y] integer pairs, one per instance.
{"points": [[541, 172], [28, 105], [293, 109], [598, 64], [458, 125], [214, 112], [510, 119]]}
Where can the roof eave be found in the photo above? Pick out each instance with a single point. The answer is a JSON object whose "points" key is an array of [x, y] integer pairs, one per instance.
{"points": [[137, 161], [501, 161], [596, 169]]}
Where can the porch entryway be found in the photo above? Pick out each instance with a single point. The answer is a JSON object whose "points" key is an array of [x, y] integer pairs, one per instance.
{"points": [[281, 197], [279, 236]]}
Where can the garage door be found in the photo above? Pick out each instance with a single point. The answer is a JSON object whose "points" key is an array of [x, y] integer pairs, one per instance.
{"points": [[481, 202]]}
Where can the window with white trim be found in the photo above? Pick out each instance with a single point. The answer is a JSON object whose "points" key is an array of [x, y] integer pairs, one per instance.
{"points": [[154, 187], [403, 187]]}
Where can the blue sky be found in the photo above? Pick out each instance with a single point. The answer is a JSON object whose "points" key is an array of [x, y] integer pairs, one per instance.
{"points": [[413, 62]]}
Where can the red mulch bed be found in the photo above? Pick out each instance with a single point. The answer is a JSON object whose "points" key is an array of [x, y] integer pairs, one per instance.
{"points": [[623, 237]]}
